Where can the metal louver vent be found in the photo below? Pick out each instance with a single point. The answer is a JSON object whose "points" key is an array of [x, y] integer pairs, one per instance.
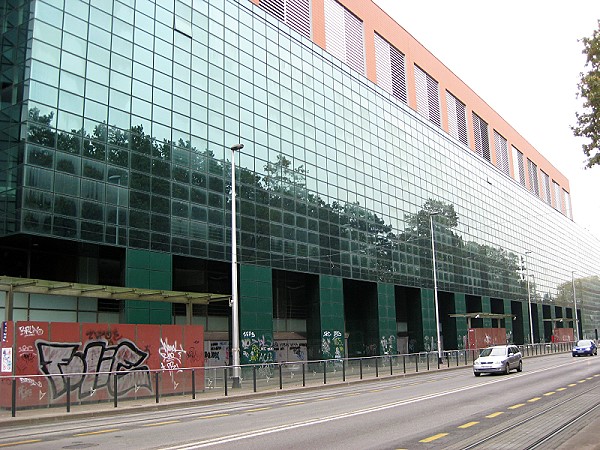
{"points": [[482, 138], [295, 13], [557, 202], [457, 118], [428, 96], [533, 177], [501, 153], [519, 164], [344, 37], [391, 69], [546, 193]]}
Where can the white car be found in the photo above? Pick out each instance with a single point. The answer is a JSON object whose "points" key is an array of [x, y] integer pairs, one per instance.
{"points": [[498, 359]]}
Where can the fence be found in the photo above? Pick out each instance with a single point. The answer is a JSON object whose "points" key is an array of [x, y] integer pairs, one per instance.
{"points": [[68, 390]]}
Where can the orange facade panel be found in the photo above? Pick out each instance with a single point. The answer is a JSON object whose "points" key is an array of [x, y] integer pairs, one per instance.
{"points": [[375, 20]]}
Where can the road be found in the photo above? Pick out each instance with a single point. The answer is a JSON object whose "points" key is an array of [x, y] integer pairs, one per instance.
{"points": [[446, 409]]}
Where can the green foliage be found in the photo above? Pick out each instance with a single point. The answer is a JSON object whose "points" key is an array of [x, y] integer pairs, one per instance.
{"points": [[588, 122]]}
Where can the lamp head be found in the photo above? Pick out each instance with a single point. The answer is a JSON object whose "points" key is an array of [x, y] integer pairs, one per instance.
{"points": [[237, 147]]}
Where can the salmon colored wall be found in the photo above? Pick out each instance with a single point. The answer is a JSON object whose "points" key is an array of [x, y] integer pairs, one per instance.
{"points": [[376, 20]]}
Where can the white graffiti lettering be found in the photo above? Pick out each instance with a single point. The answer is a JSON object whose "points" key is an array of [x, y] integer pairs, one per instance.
{"points": [[30, 330], [171, 358]]}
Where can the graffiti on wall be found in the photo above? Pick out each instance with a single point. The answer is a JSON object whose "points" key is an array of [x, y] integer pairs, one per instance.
{"points": [[171, 359], [258, 350], [388, 345], [87, 368], [332, 344]]}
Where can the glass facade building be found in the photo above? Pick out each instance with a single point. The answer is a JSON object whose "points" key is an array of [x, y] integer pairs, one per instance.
{"points": [[116, 124]]}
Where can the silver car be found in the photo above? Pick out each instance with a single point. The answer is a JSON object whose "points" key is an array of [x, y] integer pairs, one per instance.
{"points": [[498, 359]]}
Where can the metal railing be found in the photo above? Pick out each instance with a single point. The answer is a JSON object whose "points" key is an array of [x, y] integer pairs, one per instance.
{"points": [[67, 390]]}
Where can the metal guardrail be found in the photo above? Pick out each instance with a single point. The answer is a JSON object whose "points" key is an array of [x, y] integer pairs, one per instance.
{"points": [[71, 389]]}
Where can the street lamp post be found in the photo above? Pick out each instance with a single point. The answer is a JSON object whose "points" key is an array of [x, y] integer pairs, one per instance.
{"points": [[529, 295], [435, 288], [118, 178], [235, 324], [575, 306]]}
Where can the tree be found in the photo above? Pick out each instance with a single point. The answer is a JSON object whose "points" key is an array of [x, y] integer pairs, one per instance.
{"points": [[588, 122]]}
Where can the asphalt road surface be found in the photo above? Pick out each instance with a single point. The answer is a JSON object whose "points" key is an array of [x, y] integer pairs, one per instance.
{"points": [[549, 402]]}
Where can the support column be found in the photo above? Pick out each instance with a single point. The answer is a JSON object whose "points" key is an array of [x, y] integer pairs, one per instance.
{"points": [[386, 309], [508, 322], [428, 314], [460, 306], [256, 315], [325, 327], [486, 307], [526, 329], [148, 270]]}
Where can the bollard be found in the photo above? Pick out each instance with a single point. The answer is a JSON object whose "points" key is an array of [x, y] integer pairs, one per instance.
{"points": [[416, 362], [13, 406], [303, 375], [157, 388], [376, 367], [280, 378], [324, 372], [254, 377], [391, 366], [193, 384], [225, 379], [343, 370], [115, 387], [360, 367], [68, 382], [404, 362], [427, 362]]}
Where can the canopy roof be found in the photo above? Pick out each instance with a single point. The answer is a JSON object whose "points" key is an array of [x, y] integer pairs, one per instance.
{"points": [[34, 286]]}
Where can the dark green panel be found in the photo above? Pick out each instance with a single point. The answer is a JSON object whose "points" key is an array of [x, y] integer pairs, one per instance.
{"points": [[460, 305], [387, 319], [428, 314], [486, 307], [256, 314], [331, 317], [508, 322]]}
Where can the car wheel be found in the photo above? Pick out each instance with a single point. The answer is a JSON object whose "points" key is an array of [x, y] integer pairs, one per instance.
{"points": [[476, 374], [507, 369], [520, 367]]}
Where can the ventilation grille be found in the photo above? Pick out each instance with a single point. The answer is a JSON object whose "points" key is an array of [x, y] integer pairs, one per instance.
{"points": [[546, 193], [519, 163], [482, 138], [533, 177], [295, 13], [428, 96], [501, 153], [557, 202], [391, 69], [457, 118], [348, 45], [567, 204]]}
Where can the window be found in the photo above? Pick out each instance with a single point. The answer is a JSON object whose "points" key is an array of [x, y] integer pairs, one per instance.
{"points": [[533, 177], [501, 153], [519, 164], [344, 35], [457, 118], [390, 66], [556, 191], [428, 96], [294, 13], [567, 205], [482, 138], [546, 193]]}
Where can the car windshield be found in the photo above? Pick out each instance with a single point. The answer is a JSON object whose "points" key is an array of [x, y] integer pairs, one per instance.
{"points": [[584, 343], [494, 351]]}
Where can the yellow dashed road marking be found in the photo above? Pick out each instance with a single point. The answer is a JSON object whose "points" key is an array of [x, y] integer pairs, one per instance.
{"points": [[581, 381], [214, 416], [257, 409], [160, 423], [516, 406], [496, 414], [572, 384], [434, 437], [469, 424], [534, 399], [589, 378], [561, 389], [549, 393], [31, 441], [325, 398], [295, 403], [376, 390], [97, 432]]}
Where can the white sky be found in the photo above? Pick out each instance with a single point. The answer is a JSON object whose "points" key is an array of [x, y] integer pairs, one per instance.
{"points": [[524, 59]]}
